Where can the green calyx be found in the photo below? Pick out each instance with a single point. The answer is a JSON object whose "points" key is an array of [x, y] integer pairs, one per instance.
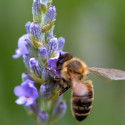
{"points": [[48, 26]]}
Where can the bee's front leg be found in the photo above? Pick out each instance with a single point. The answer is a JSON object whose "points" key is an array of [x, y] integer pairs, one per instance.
{"points": [[63, 87], [50, 71]]}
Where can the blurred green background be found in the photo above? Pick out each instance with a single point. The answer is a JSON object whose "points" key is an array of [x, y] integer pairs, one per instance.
{"points": [[94, 31]]}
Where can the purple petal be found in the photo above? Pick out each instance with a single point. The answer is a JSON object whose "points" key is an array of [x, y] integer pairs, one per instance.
{"points": [[29, 101], [33, 91], [22, 48], [17, 55], [27, 93], [18, 91], [22, 44], [26, 87], [27, 82], [52, 61], [21, 100], [29, 89], [28, 26]]}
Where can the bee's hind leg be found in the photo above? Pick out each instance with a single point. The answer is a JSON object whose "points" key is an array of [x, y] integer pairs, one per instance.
{"points": [[62, 88]]}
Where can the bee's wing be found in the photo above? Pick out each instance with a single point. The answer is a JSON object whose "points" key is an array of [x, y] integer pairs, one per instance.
{"points": [[107, 73]]}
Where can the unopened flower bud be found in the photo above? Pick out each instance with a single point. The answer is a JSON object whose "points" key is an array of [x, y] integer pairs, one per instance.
{"points": [[50, 15], [45, 91], [26, 76], [30, 48], [35, 108], [54, 84], [42, 52], [45, 75], [58, 100], [42, 117], [61, 42], [35, 67], [50, 35], [26, 59], [36, 32], [52, 46], [28, 26], [36, 11], [59, 110]]}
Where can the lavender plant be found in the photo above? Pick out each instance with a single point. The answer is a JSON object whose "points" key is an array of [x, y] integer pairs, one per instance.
{"points": [[40, 48]]}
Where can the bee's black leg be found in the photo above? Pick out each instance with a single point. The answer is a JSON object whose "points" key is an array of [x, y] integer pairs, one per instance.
{"points": [[63, 90], [52, 73], [58, 69], [58, 77]]}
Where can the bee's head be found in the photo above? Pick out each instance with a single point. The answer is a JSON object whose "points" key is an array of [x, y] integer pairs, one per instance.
{"points": [[62, 59]]}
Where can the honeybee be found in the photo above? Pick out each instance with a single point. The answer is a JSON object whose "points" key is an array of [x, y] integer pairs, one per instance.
{"points": [[72, 73]]}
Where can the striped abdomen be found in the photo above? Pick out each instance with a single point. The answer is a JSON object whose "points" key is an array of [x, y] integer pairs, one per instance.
{"points": [[81, 105]]}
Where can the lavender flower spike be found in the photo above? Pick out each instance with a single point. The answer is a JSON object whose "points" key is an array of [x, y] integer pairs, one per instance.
{"points": [[22, 49], [41, 50], [50, 15], [35, 67], [52, 46], [26, 93], [36, 32]]}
